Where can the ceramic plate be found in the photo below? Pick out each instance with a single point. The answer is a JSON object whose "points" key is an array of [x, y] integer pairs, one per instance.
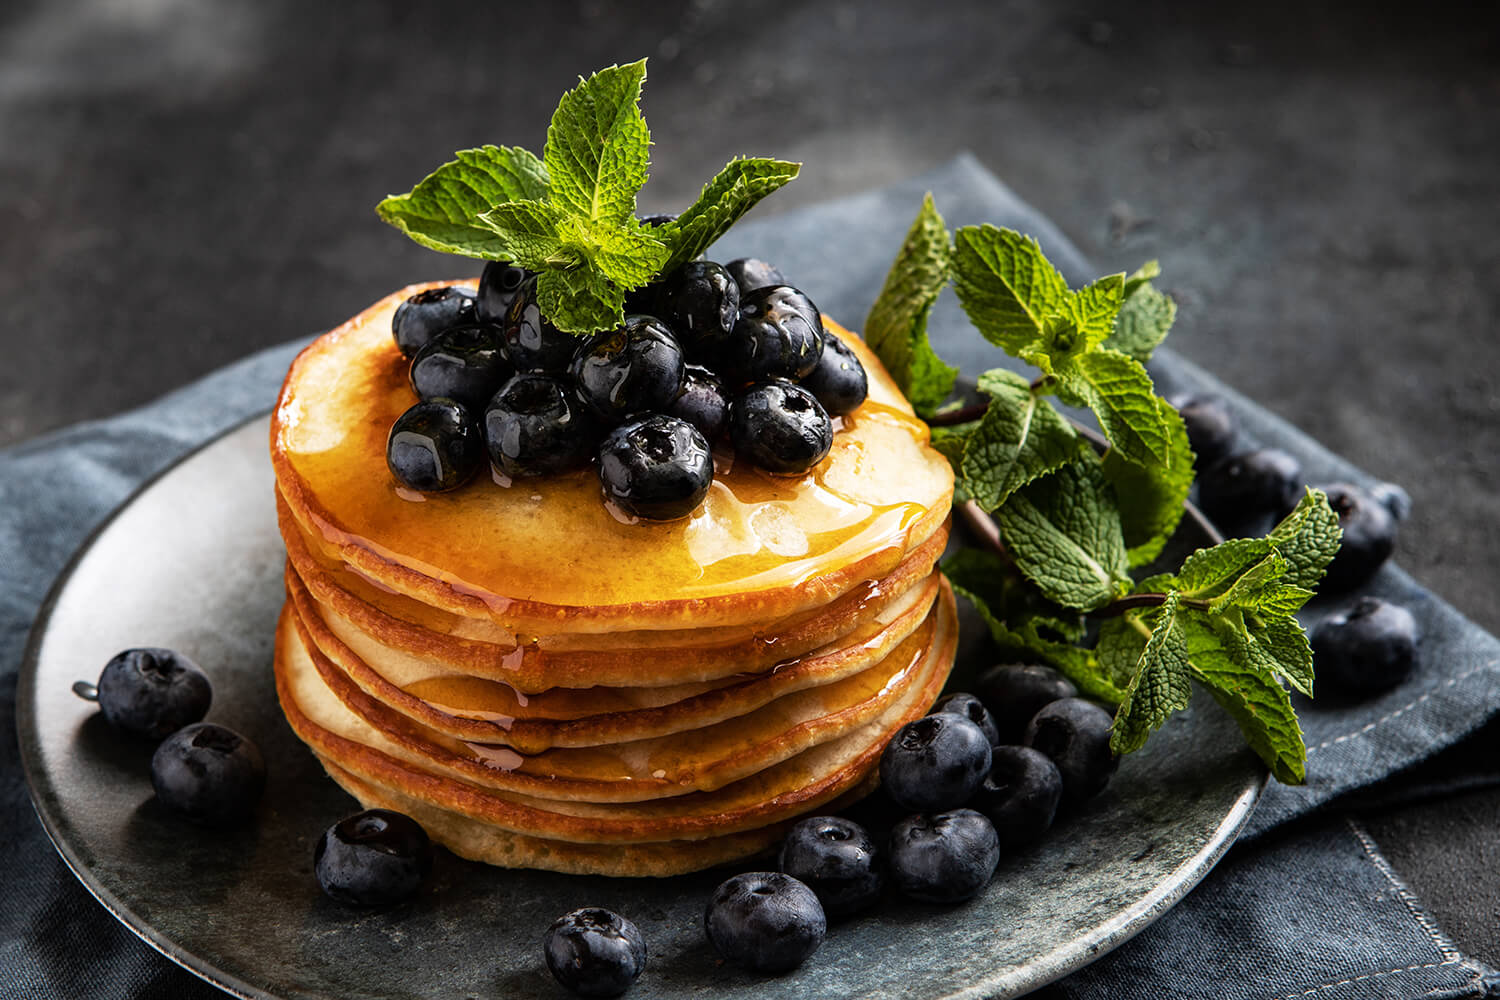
{"points": [[194, 562]]}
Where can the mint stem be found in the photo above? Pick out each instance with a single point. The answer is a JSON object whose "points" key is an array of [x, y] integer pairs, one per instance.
{"points": [[1118, 607]]}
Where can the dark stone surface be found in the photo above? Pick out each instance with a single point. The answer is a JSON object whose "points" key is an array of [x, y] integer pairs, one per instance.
{"points": [[183, 182]]}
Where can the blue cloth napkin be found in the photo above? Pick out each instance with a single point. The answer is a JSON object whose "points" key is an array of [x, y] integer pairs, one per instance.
{"points": [[1305, 906]]}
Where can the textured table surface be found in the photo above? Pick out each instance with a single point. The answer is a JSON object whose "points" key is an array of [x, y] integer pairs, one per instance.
{"points": [[183, 182]]}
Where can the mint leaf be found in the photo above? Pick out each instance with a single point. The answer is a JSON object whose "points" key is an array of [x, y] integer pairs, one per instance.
{"points": [[1141, 275], [1120, 393], [442, 212], [1280, 646], [896, 328], [1093, 308], [1247, 588], [1122, 640], [1161, 684], [598, 146], [1208, 573], [1005, 284], [1151, 496], [630, 253], [1145, 318], [1020, 438], [732, 193], [1308, 538], [580, 300], [1063, 531], [526, 233]]}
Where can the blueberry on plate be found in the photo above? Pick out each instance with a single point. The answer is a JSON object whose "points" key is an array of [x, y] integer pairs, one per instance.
{"points": [[702, 402], [594, 952], [1369, 537], [210, 774], [837, 860], [945, 858], [465, 363], [1210, 427], [150, 692], [536, 426], [967, 705], [838, 379], [630, 370], [700, 302], [498, 286], [780, 427], [1242, 489], [1014, 692], [751, 273], [1020, 794], [434, 446], [428, 313], [779, 334], [935, 763], [532, 343], [1075, 734], [765, 921], [656, 467], [1368, 649], [373, 858], [658, 219]]}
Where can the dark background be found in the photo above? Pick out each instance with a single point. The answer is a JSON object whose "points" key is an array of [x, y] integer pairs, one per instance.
{"points": [[184, 181]]}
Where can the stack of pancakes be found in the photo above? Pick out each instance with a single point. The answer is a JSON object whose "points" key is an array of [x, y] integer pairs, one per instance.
{"points": [[541, 684]]}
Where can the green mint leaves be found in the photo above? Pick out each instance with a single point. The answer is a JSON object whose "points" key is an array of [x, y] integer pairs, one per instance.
{"points": [[570, 215]]}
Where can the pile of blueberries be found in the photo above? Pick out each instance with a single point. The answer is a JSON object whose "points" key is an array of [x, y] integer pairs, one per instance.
{"points": [[1359, 651], [707, 352]]}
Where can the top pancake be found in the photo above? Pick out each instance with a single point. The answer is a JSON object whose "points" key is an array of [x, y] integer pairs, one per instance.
{"points": [[546, 556]]}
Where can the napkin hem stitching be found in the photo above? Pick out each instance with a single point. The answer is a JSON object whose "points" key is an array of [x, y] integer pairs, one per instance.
{"points": [[1441, 941], [1449, 683]]}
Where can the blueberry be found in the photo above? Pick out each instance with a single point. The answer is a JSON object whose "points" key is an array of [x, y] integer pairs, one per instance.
{"points": [[934, 763], [498, 286], [837, 860], [765, 921], [465, 363], [150, 692], [751, 273], [701, 402], [435, 446], [1369, 536], [1242, 489], [700, 302], [1210, 428], [1368, 649], [1020, 794], [946, 858], [594, 952], [1014, 692], [838, 379], [656, 467], [536, 426], [1075, 734], [373, 858], [210, 774], [971, 708], [658, 219], [780, 427], [779, 334], [635, 368], [1393, 498], [532, 343], [428, 313]]}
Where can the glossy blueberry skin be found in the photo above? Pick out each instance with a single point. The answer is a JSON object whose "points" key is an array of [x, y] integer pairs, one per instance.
{"points": [[536, 426], [935, 763], [1369, 537], [1014, 692], [1020, 795], [944, 858], [428, 313], [1242, 489], [210, 774], [1211, 428], [838, 379], [373, 858], [702, 402], [779, 334], [498, 286], [1074, 733], [780, 427], [633, 369], [532, 343], [594, 952], [1393, 498], [837, 860], [152, 692], [1366, 650], [655, 467], [765, 922], [465, 363], [435, 446], [751, 273], [658, 219], [700, 302], [970, 707]]}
